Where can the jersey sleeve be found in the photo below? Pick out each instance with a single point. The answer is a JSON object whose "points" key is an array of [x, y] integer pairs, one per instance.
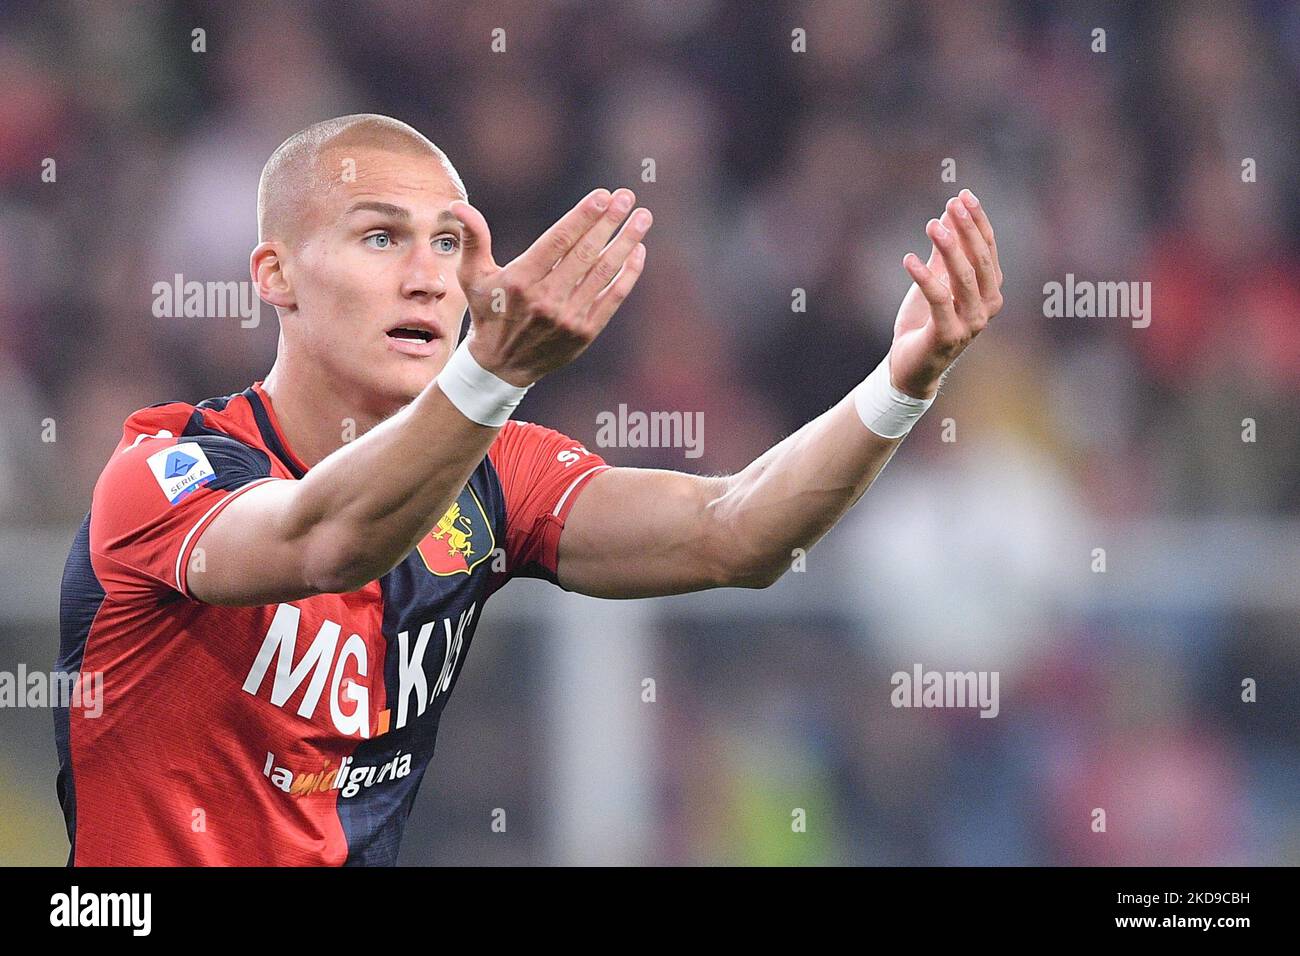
{"points": [[152, 502], [542, 473]]}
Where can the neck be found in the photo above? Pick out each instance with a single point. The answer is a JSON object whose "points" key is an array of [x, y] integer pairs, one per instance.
{"points": [[315, 418]]}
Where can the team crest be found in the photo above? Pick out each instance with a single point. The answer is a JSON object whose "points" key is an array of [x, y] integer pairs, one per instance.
{"points": [[461, 540]]}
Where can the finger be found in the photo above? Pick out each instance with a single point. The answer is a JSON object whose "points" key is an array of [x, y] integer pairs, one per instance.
{"points": [[961, 274], [607, 303], [935, 264], [935, 292], [977, 250], [541, 257], [985, 227], [476, 244], [569, 271], [613, 258]]}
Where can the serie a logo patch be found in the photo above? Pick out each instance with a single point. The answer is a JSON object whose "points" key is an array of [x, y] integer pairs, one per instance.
{"points": [[181, 469]]}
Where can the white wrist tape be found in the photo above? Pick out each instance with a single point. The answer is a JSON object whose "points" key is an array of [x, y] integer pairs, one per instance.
{"points": [[480, 395], [883, 408]]}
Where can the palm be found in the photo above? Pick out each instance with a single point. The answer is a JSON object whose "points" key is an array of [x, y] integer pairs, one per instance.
{"points": [[951, 299], [914, 346]]}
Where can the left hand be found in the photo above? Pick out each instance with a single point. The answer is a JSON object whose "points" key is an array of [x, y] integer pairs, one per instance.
{"points": [[952, 297]]}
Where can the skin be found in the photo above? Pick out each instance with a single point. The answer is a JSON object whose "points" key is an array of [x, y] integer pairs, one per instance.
{"points": [[386, 250], [345, 261], [396, 246], [677, 533], [938, 319], [377, 252]]}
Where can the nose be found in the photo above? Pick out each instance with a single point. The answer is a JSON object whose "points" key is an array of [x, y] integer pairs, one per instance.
{"points": [[423, 279]]}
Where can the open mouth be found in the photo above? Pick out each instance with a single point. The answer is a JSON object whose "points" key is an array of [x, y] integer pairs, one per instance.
{"points": [[411, 335]]}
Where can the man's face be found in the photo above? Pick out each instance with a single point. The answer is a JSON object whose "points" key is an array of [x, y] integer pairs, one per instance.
{"points": [[379, 305]]}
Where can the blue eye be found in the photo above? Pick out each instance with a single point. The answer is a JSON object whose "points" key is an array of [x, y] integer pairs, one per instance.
{"points": [[388, 240], [455, 243]]}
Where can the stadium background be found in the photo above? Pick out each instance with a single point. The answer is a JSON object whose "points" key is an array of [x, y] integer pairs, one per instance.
{"points": [[775, 170]]}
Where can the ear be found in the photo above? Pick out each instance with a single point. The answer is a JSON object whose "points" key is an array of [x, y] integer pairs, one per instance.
{"points": [[269, 278]]}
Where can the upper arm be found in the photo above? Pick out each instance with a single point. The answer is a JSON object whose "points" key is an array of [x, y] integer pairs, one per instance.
{"points": [[205, 518], [250, 554], [608, 532], [643, 532]]}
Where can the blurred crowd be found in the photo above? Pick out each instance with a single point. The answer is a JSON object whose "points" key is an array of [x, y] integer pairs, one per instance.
{"points": [[777, 170]]}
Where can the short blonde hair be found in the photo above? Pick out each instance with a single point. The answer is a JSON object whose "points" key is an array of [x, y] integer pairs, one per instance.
{"points": [[294, 168]]}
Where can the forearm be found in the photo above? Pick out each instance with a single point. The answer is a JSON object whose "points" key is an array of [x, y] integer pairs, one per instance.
{"points": [[369, 503], [641, 532], [792, 494]]}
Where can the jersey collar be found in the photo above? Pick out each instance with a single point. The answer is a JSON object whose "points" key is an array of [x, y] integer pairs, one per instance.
{"points": [[264, 415]]}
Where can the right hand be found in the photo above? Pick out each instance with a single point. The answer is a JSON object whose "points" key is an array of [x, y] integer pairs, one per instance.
{"points": [[541, 311]]}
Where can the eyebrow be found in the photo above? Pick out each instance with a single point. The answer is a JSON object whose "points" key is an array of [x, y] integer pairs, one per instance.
{"points": [[399, 212]]}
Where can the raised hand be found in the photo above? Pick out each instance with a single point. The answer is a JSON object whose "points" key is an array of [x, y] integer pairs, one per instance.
{"points": [[952, 298], [541, 310]]}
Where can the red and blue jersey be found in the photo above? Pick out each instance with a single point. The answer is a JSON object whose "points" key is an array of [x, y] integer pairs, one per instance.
{"points": [[286, 734]]}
